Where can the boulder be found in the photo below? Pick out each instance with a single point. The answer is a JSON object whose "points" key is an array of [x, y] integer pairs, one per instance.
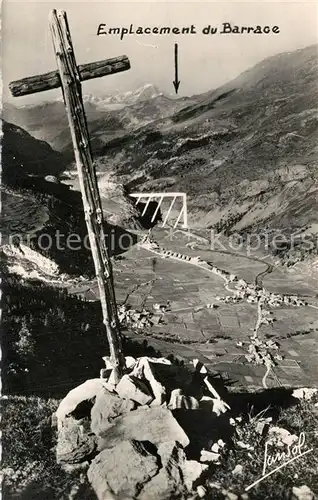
{"points": [[130, 362], [168, 483], [107, 407], [52, 178], [83, 395], [122, 470], [131, 387], [199, 367], [156, 424], [176, 476], [108, 363], [75, 442], [201, 491], [149, 370], [216, 405], [304, 392], [209, 456]]}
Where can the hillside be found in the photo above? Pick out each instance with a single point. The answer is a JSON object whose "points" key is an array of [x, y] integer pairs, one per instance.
{"points": [[263, 120], [246, 153], [22, 155], [39, 212], [48, 121]]}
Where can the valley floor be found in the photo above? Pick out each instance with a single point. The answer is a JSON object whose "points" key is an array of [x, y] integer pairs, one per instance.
{"points": [[218, 336]]}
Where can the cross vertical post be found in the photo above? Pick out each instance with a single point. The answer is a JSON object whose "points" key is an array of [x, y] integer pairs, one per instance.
{"points": [[70, 82]]}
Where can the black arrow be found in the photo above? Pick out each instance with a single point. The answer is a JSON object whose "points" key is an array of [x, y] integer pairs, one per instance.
{"points": [[176, 82]]}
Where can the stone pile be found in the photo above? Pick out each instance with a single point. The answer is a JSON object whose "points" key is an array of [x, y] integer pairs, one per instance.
{"points": [[128, 435]]}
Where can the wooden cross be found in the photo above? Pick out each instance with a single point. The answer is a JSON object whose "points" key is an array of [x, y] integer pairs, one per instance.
{"points": [[69, 77]]}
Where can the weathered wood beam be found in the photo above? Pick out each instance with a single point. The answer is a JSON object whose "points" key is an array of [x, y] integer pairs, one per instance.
{"points": [[71, 87], [51, 80]]}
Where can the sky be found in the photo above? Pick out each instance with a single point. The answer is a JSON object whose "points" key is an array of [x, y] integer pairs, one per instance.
{"points": [[205, 61]]}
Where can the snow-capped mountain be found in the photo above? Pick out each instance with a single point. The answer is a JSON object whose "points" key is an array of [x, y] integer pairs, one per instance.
{"points": [[144, 93], [117, 99]]}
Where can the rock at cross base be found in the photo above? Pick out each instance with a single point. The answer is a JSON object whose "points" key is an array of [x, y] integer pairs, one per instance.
{"points": [[130, 362], [304, 393], [85, 392], [107, 407], [176, 475], [168, 482], [122, 470], [131, 387], [147, 370], [164, 377], [216, 405], [75, 442], [209, 456], [156, 425]]}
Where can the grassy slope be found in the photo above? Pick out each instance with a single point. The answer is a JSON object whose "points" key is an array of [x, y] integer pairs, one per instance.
{"points": [[30, 470], [302, 417], [35, 339], [29, 466]]}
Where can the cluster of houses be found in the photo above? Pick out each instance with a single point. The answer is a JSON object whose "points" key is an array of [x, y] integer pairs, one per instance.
{"points": [[242, 290], [135, 319], [253, 294]]}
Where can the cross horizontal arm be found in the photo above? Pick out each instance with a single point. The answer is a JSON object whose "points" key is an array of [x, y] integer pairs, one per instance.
{"points": [[48, 81]]}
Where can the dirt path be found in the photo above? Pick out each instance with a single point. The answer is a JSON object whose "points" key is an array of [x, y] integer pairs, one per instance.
{"points": [[259, 278]]}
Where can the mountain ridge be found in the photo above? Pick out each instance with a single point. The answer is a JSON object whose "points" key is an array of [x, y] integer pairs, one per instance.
{"points": [[246, 153], [111, 115]]}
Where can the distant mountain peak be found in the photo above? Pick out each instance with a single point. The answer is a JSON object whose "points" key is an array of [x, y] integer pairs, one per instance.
{"points": [[144, 93]]}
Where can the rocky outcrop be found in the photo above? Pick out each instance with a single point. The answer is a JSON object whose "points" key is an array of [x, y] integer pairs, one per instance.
{"points": [[129, 432], [124, 212]]}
